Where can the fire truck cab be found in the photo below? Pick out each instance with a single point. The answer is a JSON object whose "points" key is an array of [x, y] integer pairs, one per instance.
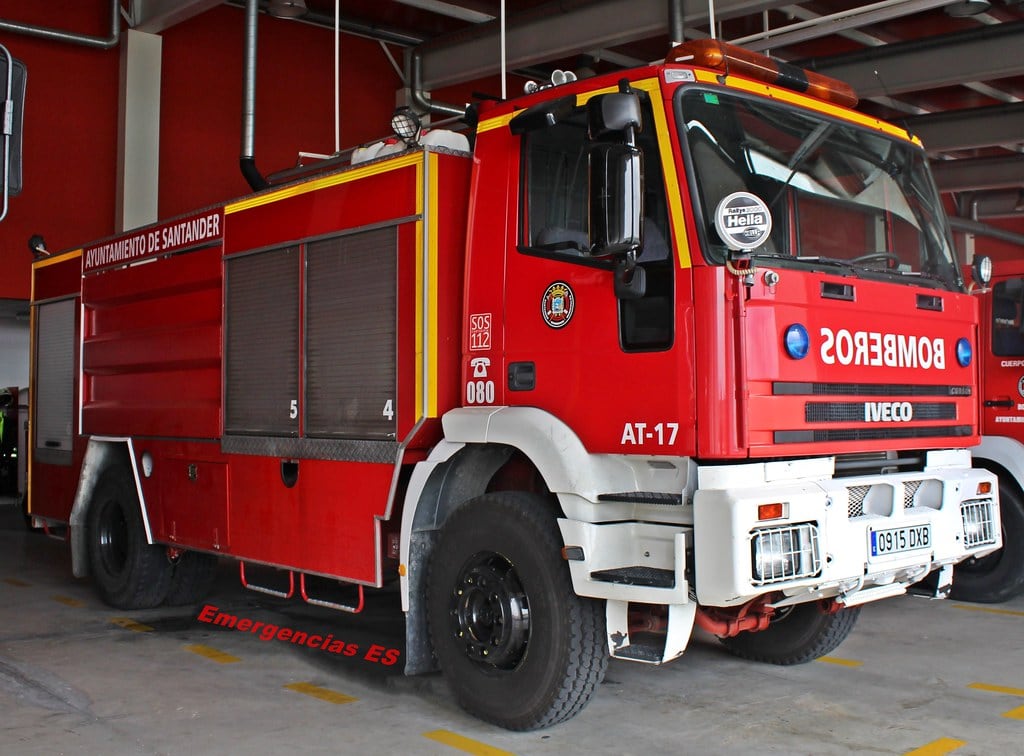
{"points": [[1000, 575], [683, 346]]}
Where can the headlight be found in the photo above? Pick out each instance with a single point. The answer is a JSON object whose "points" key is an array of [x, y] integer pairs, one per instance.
{"points": [[784, 553], [979, 527]]}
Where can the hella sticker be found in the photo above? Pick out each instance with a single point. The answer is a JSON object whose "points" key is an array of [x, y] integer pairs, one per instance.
{"points": [[743, 221]]}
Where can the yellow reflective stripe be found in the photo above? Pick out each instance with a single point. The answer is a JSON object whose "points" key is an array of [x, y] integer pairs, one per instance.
{"points": [[795, 98], [433, 204], [335, 179]]}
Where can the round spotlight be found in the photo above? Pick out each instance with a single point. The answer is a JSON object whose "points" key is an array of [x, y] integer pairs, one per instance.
{"points": [[406, 125], [964, 352], [981, 269], [797, 341]]}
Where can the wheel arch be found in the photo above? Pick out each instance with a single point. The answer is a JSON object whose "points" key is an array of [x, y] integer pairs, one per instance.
{"points": [[1003, 456], [101, 454]]}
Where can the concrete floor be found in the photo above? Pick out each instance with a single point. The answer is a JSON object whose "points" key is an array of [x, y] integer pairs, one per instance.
{"points": [[77, 677]]}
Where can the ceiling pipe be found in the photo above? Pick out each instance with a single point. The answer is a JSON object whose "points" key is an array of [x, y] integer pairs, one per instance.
{"points": [[968, 226], [247, 160], [419, 97], [676, 22], [57, 35]]}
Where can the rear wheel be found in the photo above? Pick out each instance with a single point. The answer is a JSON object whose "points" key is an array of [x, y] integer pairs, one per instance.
{"points": [[128, 572], [796, 635], [519, 648], [998, 576]]}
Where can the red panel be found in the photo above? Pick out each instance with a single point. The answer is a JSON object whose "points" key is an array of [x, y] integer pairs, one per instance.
{"points": [[380, 197], [238, 505], [152, 348], [57, 277]]}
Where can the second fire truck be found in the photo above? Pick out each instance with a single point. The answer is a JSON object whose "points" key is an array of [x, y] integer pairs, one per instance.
{"points": [[684, 346]]}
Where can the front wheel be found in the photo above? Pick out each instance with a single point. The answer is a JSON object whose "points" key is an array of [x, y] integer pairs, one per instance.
{"points": [[128, 572], [999, 576], [797, 634], [519, 648]]}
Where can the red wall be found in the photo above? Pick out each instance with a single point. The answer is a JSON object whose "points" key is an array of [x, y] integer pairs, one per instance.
{"points": [[70, 128], [70, 137]]}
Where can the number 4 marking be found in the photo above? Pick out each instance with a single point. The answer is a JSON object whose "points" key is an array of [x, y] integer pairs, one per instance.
{"points": [[389, 409]]}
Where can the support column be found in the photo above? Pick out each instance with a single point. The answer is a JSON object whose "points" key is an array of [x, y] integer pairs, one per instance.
{"points": [[138, 131]]}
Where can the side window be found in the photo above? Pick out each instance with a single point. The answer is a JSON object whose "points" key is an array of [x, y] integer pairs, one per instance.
{"points": [[556, 171], [1007, 338]]}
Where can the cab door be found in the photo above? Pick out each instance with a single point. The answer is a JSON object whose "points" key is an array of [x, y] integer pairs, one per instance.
{"points": [[1002, 363], [616, 369]]}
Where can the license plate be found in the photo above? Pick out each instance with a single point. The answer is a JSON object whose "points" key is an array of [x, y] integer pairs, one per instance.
{"points": [[896, 540]]}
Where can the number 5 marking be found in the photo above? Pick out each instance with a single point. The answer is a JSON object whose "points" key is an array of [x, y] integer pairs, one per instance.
{"points": [[293, 409]]}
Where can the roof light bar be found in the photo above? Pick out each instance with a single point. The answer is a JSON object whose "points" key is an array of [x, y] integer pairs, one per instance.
{"points": [[733, 60]]}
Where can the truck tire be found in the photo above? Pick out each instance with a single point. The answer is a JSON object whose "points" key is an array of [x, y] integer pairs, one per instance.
{"points": [[192, 579], [1000, 576], [798, 634], [519, 648], [128, 572]]}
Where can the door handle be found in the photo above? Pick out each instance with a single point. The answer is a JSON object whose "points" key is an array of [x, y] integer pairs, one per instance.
{"points": [[998, 402]]}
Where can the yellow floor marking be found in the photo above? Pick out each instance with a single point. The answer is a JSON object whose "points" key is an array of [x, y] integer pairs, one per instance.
{"points": [[213, 654], [130, 624], [464, 744], [1005, 612], [67, 601], [840, 662], [937, 747], [324, 694], [18, 583], [997, 689], [1017, 713]]}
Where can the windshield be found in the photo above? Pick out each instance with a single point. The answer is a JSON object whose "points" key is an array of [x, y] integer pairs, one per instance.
{"points": [[837, 195]]}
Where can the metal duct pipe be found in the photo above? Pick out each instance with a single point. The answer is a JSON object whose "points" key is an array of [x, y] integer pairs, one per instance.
{"points": [[247, 161], [969, 226], [419, 96], [56, 35], [676, 22]]}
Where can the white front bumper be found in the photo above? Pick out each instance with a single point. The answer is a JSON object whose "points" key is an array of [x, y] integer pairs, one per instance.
{"points": [[839, 516]]}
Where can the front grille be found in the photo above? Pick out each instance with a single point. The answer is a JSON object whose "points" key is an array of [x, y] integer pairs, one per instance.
{"points": [[857, 494], [797, 388], [861, 412], [909, 491], [979, 525], [870, 434]]}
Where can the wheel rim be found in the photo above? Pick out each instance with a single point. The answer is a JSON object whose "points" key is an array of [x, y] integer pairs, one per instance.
{"points": [[112, 538], [491, 612]]}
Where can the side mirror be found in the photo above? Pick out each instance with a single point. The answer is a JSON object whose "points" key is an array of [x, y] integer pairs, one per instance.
{"points": [[12, 99], [613, 113], [616, 199]]}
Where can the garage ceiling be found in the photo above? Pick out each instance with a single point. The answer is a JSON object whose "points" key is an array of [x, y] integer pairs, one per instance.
{"points": [[952, 72]]}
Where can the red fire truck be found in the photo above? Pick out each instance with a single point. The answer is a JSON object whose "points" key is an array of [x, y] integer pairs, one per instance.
{"points": [[1000, 575], [682, 346]]}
